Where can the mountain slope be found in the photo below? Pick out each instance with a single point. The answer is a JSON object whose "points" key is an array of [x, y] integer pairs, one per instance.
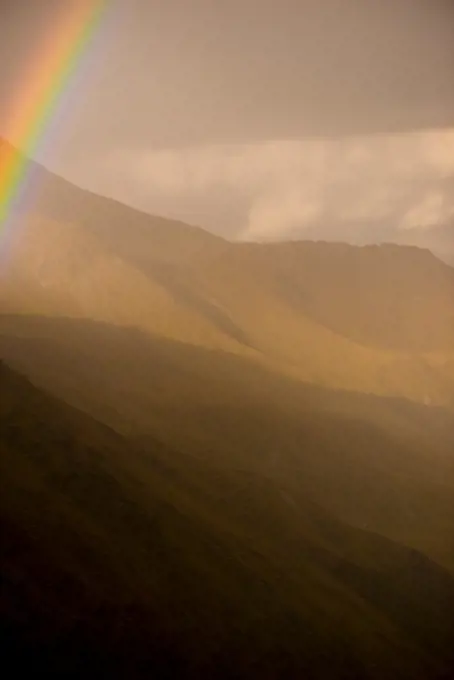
{"points": [[388, 296], [378, 462], [286, 316], [63, 269], [150, 573], [138, 236], [375, 319]]}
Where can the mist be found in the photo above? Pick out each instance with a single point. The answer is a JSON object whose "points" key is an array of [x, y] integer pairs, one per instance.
{"points": [[361, 188]]}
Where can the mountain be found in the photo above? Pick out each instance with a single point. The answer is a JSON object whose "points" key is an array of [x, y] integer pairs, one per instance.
{"points": [[375, 319], [232, 460], [145, 560]]}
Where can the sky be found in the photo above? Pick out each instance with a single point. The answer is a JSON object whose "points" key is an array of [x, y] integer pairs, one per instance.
{"points": [[258, 119]]}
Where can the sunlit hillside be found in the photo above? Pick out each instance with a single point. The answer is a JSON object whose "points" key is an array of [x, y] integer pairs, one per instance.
{"points": [[374, 319]]}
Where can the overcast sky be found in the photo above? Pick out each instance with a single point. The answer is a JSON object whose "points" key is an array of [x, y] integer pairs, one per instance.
{"points": [[258, 118]]}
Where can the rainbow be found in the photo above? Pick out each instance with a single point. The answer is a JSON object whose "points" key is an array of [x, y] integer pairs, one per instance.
{"points": [[36, 105]]}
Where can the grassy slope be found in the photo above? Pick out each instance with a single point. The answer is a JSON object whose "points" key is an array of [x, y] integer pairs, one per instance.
{"points": [[125, 555]]}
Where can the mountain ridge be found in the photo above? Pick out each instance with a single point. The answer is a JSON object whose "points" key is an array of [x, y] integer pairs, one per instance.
{"points": [[53, 197]]}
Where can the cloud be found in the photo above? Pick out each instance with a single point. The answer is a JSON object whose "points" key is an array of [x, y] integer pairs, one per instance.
{"points": [[285, 187], [282, 212], [433, 209]]}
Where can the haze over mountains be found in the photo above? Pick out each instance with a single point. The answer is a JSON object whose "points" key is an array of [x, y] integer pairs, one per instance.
{"points": [[377, 319], [358, 188], [239, 455]]}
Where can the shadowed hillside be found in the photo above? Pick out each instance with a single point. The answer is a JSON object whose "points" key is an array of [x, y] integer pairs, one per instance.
{"points": [[136, 567], [376, 462]]}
